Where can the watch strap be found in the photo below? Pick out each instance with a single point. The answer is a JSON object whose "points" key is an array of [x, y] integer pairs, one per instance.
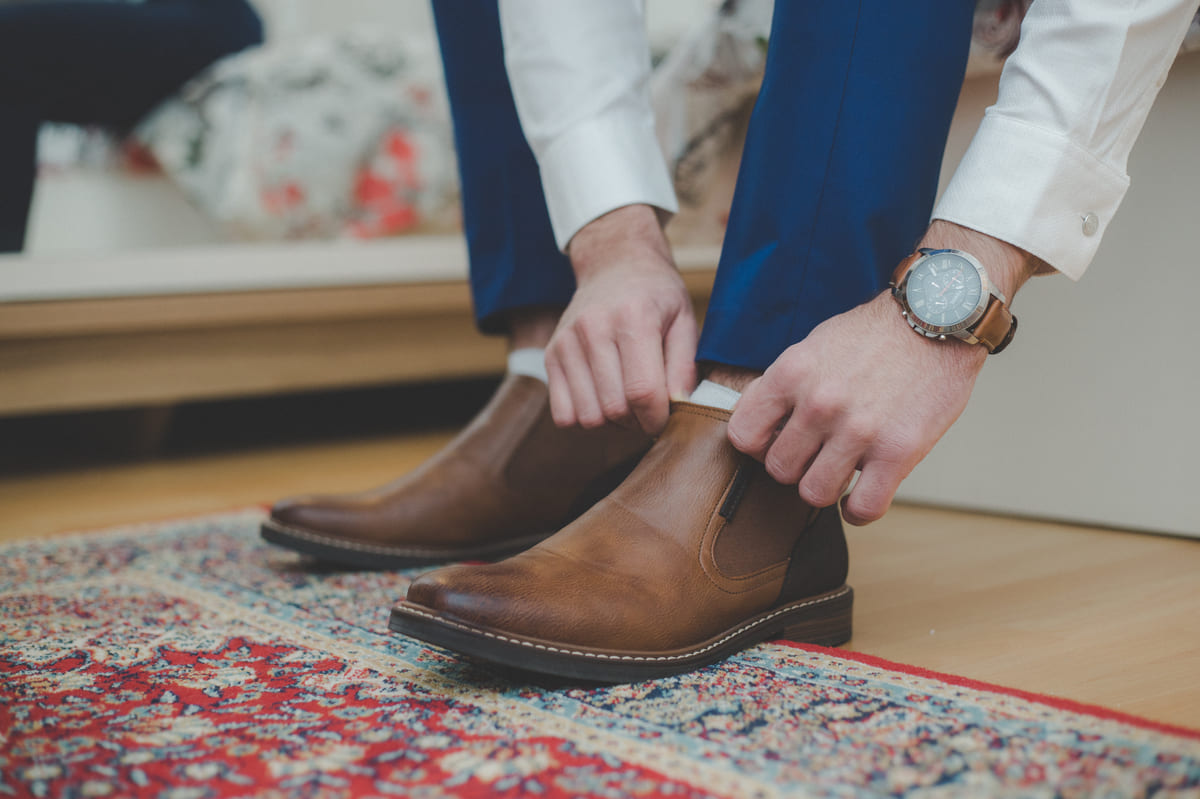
{"points": [[996, 328], [904, 266]]}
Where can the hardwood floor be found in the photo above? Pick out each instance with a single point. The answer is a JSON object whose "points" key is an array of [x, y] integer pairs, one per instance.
{"points": [[1092, 615]]}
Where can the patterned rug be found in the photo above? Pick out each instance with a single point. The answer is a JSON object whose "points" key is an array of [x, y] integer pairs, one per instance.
{"points": [[189, 660]]}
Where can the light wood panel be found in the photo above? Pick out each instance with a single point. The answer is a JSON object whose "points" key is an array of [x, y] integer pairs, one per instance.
{"points": [[175, 365], [1092, 615], [87, 354], [67, 318], [63, 318]]}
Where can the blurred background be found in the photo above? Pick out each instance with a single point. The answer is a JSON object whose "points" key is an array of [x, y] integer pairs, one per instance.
{"points": [[272, 252], [246, 150]]}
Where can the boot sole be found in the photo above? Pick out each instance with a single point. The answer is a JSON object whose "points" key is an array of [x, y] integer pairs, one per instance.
{"points": [[824, 619], [379, 557]]}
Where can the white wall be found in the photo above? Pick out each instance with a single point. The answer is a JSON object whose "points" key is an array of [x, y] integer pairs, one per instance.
{"points": [[1093, 414]]}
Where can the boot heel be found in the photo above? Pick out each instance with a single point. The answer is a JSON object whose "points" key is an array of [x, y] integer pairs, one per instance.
{"points": [[826, 622]]}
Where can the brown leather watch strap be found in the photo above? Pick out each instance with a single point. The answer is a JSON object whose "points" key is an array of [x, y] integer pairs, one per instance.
{"points": [[995, 329], [903, 267]]}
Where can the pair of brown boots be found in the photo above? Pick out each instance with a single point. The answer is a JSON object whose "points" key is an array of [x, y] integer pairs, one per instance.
{"points": [[637, 559]]}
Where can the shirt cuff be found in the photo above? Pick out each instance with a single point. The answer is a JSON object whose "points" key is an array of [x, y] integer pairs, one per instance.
{"points": [[1035, 189], [601, 164]]}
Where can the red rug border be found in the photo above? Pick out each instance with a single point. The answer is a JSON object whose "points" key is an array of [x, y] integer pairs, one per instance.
{"points": [[1057, 702]]}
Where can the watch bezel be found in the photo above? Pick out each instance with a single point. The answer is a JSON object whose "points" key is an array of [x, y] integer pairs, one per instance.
{"points": [[958, 329]]}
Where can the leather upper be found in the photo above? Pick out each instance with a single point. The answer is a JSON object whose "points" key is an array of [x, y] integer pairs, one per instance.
{"points": [[697, 538], [511, 473]]}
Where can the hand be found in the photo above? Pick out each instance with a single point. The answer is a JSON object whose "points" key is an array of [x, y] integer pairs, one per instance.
{"points": [[626, 343], [864, 392]]}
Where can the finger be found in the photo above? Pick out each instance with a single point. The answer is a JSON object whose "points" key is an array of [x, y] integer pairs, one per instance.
{"points": [[645, 379], [605, 364], [790, 454], [757, 418], [575, 367], [680, 349], [831, 471], [562, 410], [873, 493]]}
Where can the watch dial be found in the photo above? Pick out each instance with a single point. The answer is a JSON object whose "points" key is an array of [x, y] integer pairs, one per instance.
{"points": [[943, 290]]}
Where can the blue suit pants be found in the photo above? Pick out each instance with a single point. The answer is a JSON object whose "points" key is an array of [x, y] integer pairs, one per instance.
{"points": [[836, 184]]}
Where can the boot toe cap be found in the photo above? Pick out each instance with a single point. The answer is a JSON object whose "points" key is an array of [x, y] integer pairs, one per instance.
{"points": [[505, 599], [461, 592], [312, 513]]}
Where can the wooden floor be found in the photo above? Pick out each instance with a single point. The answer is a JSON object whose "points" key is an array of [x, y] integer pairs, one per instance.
{"points": [[1093, 615]]}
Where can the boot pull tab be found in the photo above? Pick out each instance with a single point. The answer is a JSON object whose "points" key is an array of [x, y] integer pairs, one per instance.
{"points": [[737, 488]]}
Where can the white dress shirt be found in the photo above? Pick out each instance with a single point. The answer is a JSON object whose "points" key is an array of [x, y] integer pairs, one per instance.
{"points": [[1045, 171], [579, 71]]}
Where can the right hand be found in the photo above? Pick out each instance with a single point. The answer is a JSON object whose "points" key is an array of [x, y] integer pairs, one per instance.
{"points": [[626, 343]]}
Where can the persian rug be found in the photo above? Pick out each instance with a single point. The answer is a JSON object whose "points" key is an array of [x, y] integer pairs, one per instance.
{"points": [[188, 659]]}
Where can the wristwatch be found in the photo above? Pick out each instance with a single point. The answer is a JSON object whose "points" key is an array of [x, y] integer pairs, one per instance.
{"points": [[947, 293]]}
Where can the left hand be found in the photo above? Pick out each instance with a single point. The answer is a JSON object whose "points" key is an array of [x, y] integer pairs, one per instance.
{"points": [[864, 392]]}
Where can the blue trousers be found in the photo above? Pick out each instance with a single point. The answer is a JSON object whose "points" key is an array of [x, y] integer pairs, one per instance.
{"points": [[97, 63], [836, 184]]}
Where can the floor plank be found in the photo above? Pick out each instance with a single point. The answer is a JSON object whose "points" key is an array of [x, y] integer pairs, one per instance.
{"points": [[1097, 616]]}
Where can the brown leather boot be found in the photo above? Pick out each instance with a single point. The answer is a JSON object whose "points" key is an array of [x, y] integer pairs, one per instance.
{"points": [[507, 481], [697, 555]]}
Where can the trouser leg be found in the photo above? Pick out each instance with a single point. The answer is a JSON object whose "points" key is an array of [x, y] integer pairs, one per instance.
{"points": [[840, 167], [515, 262], [98, 63]]}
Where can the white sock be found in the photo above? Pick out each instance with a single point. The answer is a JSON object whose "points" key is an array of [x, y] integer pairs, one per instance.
{"points": [[531, 362], [528, 361], [715, 395]]}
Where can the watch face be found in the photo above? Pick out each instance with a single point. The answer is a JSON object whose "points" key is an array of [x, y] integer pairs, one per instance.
{"points": [[945, 291]]}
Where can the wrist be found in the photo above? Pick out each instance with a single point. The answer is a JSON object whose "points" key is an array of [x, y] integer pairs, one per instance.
{"points": [[1008, 266], [632, 230], [951, 352]]}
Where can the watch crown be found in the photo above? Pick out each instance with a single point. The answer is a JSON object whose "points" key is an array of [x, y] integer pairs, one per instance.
{"points": [[942, 337]]}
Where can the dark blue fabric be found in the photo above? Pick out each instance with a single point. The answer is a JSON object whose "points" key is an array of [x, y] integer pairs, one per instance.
{"points": [[515, 262], [840, 168], [836, 185], [97, 63]]}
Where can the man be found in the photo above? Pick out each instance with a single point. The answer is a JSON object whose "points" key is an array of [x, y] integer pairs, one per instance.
{"points": [[726, 532]]}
